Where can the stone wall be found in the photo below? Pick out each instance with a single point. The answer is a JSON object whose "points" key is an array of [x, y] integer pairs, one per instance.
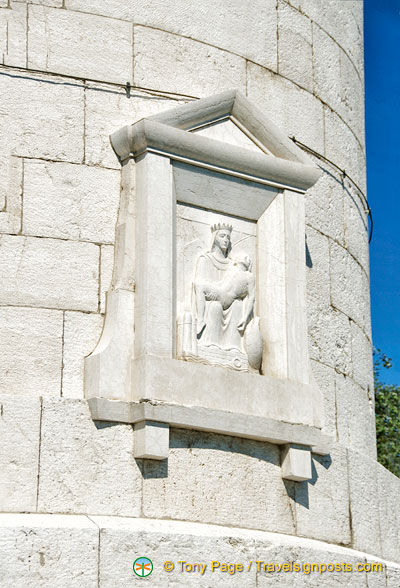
{"points": [[72, 72]]}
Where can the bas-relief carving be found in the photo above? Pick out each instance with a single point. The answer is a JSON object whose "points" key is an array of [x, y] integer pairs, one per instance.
{"points": [[220, 328]]}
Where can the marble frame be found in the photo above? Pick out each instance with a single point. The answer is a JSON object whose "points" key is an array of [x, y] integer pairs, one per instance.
{"points": [[134, 361]]}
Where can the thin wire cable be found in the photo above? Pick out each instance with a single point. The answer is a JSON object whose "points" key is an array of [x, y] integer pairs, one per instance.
{"points": [[345, 175]]}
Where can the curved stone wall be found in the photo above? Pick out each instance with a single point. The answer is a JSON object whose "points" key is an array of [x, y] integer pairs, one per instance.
{"points": [[73, 72]]}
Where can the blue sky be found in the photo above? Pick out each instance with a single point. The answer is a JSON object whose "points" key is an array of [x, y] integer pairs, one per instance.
{"points": [[382, 103]]}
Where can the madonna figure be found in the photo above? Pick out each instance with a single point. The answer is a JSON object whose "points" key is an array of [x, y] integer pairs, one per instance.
{"points": [[223, 293]]}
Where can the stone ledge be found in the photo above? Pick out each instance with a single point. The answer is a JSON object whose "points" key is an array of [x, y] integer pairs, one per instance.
{"points": [[50, 547], [211, 420]]}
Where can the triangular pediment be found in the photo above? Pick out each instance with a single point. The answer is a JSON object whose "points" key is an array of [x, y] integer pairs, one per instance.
{"points": [[228, 132], [232, 106], [225, 132]]}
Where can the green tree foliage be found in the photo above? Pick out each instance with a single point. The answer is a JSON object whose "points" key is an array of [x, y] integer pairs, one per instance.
{"points": [[387, 411]]}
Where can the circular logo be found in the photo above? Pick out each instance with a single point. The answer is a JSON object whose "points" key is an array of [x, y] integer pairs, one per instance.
{"points": [[142, 566]]}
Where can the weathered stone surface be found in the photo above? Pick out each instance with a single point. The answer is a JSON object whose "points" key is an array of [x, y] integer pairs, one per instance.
{"points": [[364, 503], [13, 23], [70, 202], [342, 20], [81, 334], [355, 417], [330, 338], [352, 97], [326, 66], [108, 110], [30, 351], [49, 124], [19, 449], [330, 576], [107, 264], [324, 205], [317, 274], [389, 513], [123, 540], [361, 350], [48, 272], [54, 3], [322, 505], [349, 286], [48, 551], [342, 147], [86, 467], [236, 468], [73, 43], [172, 69], [356, 230], [392, 577], [325, 377], [247, 30], [336, 81], [10, 218], [300, 114], [295, 38]]}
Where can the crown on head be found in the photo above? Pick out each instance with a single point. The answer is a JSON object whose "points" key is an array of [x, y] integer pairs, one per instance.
{"points": [[220, 226]]}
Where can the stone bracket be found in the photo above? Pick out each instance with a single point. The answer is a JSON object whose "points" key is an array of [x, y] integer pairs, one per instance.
{"points": [[296, 463], [152, 421]]}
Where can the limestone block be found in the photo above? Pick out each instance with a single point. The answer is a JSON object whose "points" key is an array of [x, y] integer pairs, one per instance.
{"points": [[392, 577], [342, 147], [81, 333], [324, 205], [342, 20], [86, 467], [19, 448], [389, 513], [123, 540], [326, 67], [248, 29], [317, 274], [70, 202], [48, 125], [235, 468], [54, 3], [13, 23], [355, 417], [30, 351], [325, 378], [352, 97], [10, 218], [337, 82], [294, 38], [48, 272], [322, 505], [120, 9], [83, 45], [356, 229], [300, 114], [364, 503], [106, 269], [48, 551], [151, 440], [361, 350], [172, 68], [349, 286], [331, 576], [330, 338], [296, 463]]}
